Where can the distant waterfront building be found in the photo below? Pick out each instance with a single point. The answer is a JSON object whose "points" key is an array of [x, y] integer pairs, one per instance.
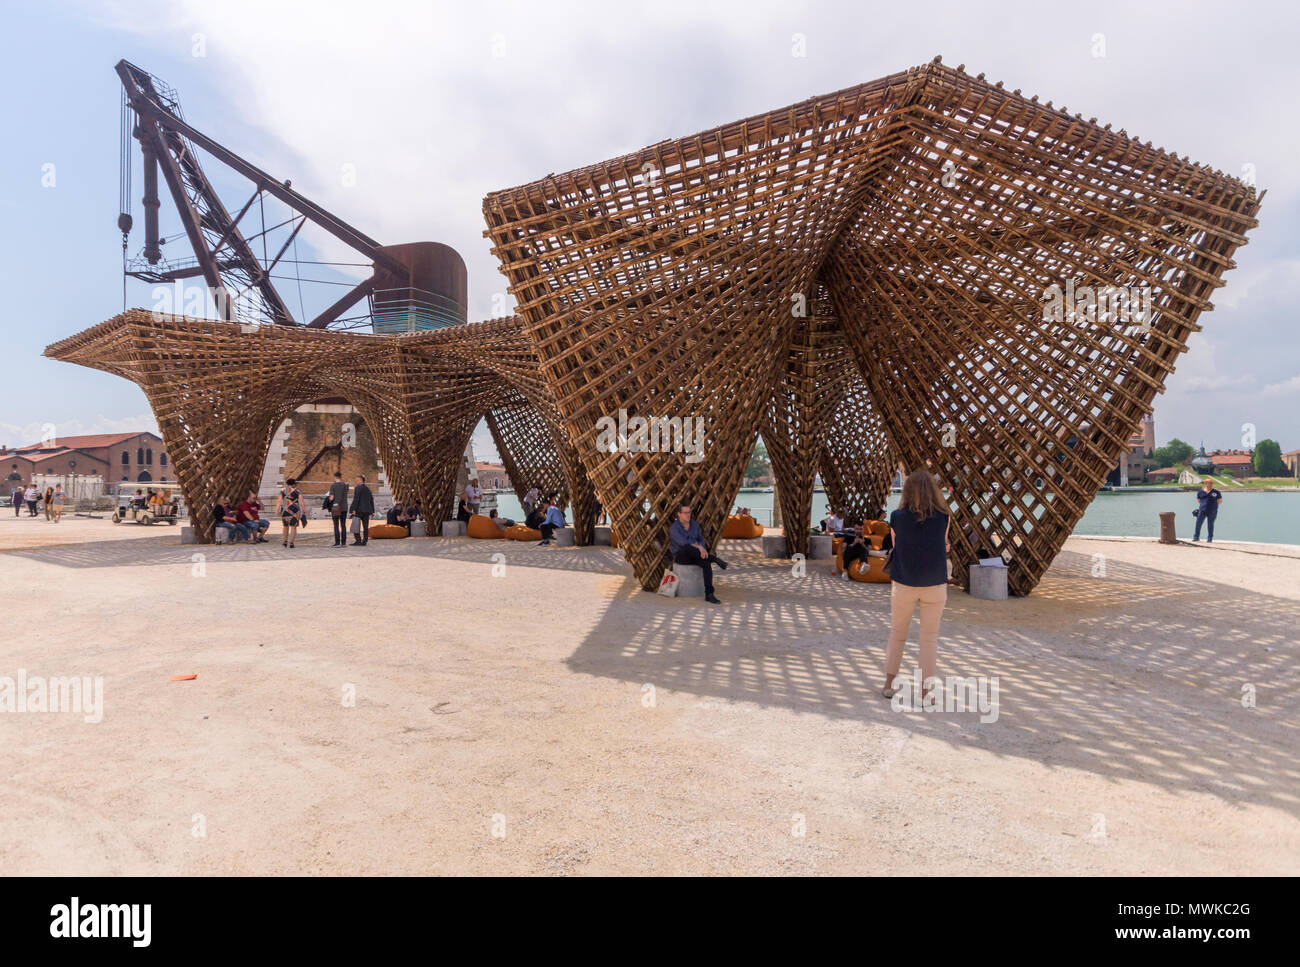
{"points": [[492, 476], [1131, 462], [137, 457], [1233, 463], [1292, 460], [1148, 433]]}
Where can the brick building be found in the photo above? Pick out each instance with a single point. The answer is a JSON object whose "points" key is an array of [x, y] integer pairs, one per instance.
{"points": [[1233, 463], [492, 476], [1130, 469], [318, 439], [1292, 460], [135, 457]]}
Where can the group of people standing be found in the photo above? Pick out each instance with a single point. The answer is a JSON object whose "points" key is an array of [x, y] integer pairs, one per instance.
{"points": [[244, 521], [360, 510], [53, 500]]}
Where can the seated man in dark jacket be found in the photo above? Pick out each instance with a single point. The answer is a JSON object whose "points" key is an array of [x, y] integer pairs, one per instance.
{"points": [[854, 549], [686, 544]]}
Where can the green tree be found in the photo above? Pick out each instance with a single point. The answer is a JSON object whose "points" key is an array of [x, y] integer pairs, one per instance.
{"points": [[1172, 453], [759, 464], [1268, 459]]}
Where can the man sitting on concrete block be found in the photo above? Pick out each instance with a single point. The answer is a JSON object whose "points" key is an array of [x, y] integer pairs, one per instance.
{"points": [[686, 543]]}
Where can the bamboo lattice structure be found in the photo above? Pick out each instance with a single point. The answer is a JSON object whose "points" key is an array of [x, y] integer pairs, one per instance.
{"points": [[219, 390], [809, 402], [536, 453], [938, 210], [857, 461], [866, 278]]}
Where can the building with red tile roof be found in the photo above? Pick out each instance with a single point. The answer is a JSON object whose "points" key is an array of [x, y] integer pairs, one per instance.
{"points": [[138, 457]]}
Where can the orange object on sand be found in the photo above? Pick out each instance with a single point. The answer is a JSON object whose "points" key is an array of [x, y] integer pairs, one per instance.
{"points": [[184, 678]]}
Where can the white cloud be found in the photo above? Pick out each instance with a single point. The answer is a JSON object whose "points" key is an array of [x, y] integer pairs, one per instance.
{"points": [[1198, 370], [1271, 283], [1284, 388], [484, 446], [16, 435]]}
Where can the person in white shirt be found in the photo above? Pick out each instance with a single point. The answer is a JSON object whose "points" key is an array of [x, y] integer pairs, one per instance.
{"points": [[530, 501], [833, 523], [473, 496]]}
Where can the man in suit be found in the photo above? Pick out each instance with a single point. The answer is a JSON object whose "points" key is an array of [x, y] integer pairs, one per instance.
{"points": [[363, 505], [339, 509]]}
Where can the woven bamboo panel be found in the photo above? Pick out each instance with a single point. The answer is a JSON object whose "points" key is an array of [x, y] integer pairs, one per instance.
{"points": [[810, 385], [938, 209], [219, 390], [857, 461], [535, 453]]}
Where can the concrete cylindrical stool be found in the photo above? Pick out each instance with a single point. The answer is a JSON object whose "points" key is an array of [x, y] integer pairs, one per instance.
{"points": [[417, 528], [602, 536], [690, 580], [453, 528], [564, 537], [1167, 533], [820, 545], [989, 583], [774, 545]]}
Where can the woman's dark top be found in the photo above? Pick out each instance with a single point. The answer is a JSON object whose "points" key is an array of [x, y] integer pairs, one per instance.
{"points": [[920, 560]]}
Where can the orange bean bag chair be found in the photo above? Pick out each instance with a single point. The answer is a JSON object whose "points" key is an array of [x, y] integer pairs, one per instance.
{"points": [[613, 537], [742, 527], [486, 528], [521, 533], [875, 527], [873, 574], [385, 531]]}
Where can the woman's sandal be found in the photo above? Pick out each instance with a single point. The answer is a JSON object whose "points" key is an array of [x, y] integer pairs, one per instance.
{"points": [[889, 692]]}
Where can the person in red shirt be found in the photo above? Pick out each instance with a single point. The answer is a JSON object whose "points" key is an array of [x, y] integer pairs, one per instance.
{"points": [[247, 514]]}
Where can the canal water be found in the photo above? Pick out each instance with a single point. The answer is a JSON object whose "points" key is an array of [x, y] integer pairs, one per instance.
{"points": [[1271, 518]]}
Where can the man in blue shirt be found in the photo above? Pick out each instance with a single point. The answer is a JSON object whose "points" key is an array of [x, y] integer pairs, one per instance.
{"points": [[1208, 499], [554, 519], [686, 544]]}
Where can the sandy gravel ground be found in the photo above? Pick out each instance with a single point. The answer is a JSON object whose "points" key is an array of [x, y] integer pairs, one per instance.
{"points": [[557, 720]]}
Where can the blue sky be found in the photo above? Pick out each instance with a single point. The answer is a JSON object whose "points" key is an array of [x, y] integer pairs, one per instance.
{"points": [[433, 106]]}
